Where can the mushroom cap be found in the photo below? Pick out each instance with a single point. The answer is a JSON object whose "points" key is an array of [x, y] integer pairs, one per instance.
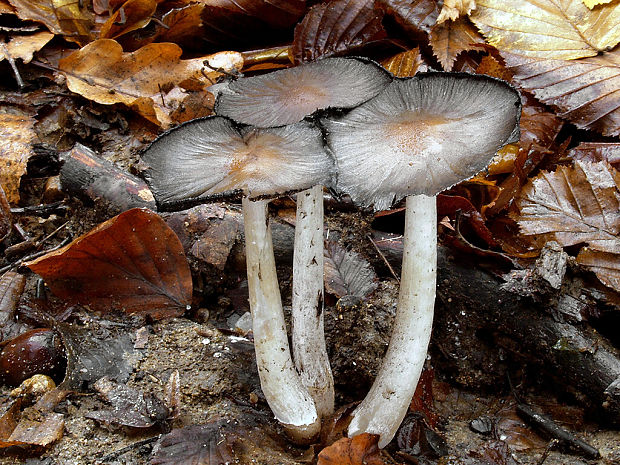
{"points": [[422, 135], [289, 95], [212, 157]]}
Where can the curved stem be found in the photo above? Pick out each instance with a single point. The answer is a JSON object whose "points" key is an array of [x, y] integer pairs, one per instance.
{"points": [[386, 404], [309, 351], [286, 395]]}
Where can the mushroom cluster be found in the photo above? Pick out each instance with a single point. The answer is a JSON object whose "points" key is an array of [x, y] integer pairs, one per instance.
{"points": [[345, 123]]}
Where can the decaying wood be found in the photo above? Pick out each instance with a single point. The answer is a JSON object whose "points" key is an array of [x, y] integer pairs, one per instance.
{"points": [[84, 174]]}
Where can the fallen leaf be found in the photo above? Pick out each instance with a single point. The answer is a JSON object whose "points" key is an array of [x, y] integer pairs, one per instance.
{"points": [[423, 399], [149, 80], [572, 205], [414, 15], [278, 14], [132, 262], [490, 66], [6, 221], [592, 3], [347, 273], [359, 450], [336, 27], [214, 245], [404, 64], [597, 151], [183, 25], [195, 445], [42, 430], [24, 46], [548, 29], [16, 139], [5, 8], [604, 263], [132, 15], [495, 453], [130, 407], [451, 38], [453, 9], [70, 18]]}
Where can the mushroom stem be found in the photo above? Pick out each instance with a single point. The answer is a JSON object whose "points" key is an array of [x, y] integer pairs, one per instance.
{"points": [[309, 351], [386, 404], [289, 400]]}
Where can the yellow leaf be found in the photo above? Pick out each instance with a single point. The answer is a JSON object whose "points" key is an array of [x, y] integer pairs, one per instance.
{"points": [[452, 9], [16, 137], [151, 80], [404, 64], [592, 3], [23, 47], [551, 29]]}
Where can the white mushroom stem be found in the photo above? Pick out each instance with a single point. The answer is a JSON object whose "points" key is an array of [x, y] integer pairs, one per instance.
{"points": [[385, 406], [309, 351], [289, 400]]}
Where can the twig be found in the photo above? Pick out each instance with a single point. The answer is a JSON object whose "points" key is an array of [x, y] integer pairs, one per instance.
{"points": [[37, 209], [128, 448], [32, 256], [384, 259], [11, 61], [219, 70], [565, 438], [550, 446]]}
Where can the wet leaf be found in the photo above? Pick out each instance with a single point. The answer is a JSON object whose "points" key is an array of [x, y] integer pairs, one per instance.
{"points": [[150, 80], [16, 139], [71, 18], [40, 431], [359, 450], [6, 221], [603, 261], [132, 262], [336, 27], [572, 205], [423, 399], [404, 64], [195, 445], [495, 453], [451, 38], [414, 15], [347, 273], [215, 244], [453, 9], [548, 29], [597, 151], [416, 438], [184, 25], [24, 46], [132, 15], [277, 13], [11, 288], [130, 407]]}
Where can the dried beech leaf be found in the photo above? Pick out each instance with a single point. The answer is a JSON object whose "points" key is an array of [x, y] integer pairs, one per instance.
{"points": [[336, 27], [548, 29], [132, 262], [277, 13], [16, 138], [5, 8], [451, 38], [359, 450], [414, 15], [183, 25], [453, 9], [132, 15], [40, 431], [6, 221], [11, 288], [71, 18], [404, 64], [149, 79], [490, 66], [604, 263], [23, 47], [584, 91], [347, 273], [592, 3], [597, 151], [196, 445], [572, 205]]}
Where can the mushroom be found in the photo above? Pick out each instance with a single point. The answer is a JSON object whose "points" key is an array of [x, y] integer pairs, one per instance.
{"points": [[283, 97], [213, 157], [416, 138]]}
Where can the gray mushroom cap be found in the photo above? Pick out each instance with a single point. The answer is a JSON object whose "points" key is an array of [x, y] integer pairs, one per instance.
{"points": [[421, 136], [289, 95], [212, 157]]}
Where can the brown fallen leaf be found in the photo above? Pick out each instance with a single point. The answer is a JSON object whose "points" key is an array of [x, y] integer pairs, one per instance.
{"points": [[276, 13], [597, 151], [359, 450], [415, 16], [132, 15], [592, 3], [603, 261], [451, 38], [16, 139], [6, 221], [11, 289], [404, 64], [24, 46], [71, 18], [151, 80], [214, 245], [336, 27], [132, 262], [548, 29], [6, 8]]}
